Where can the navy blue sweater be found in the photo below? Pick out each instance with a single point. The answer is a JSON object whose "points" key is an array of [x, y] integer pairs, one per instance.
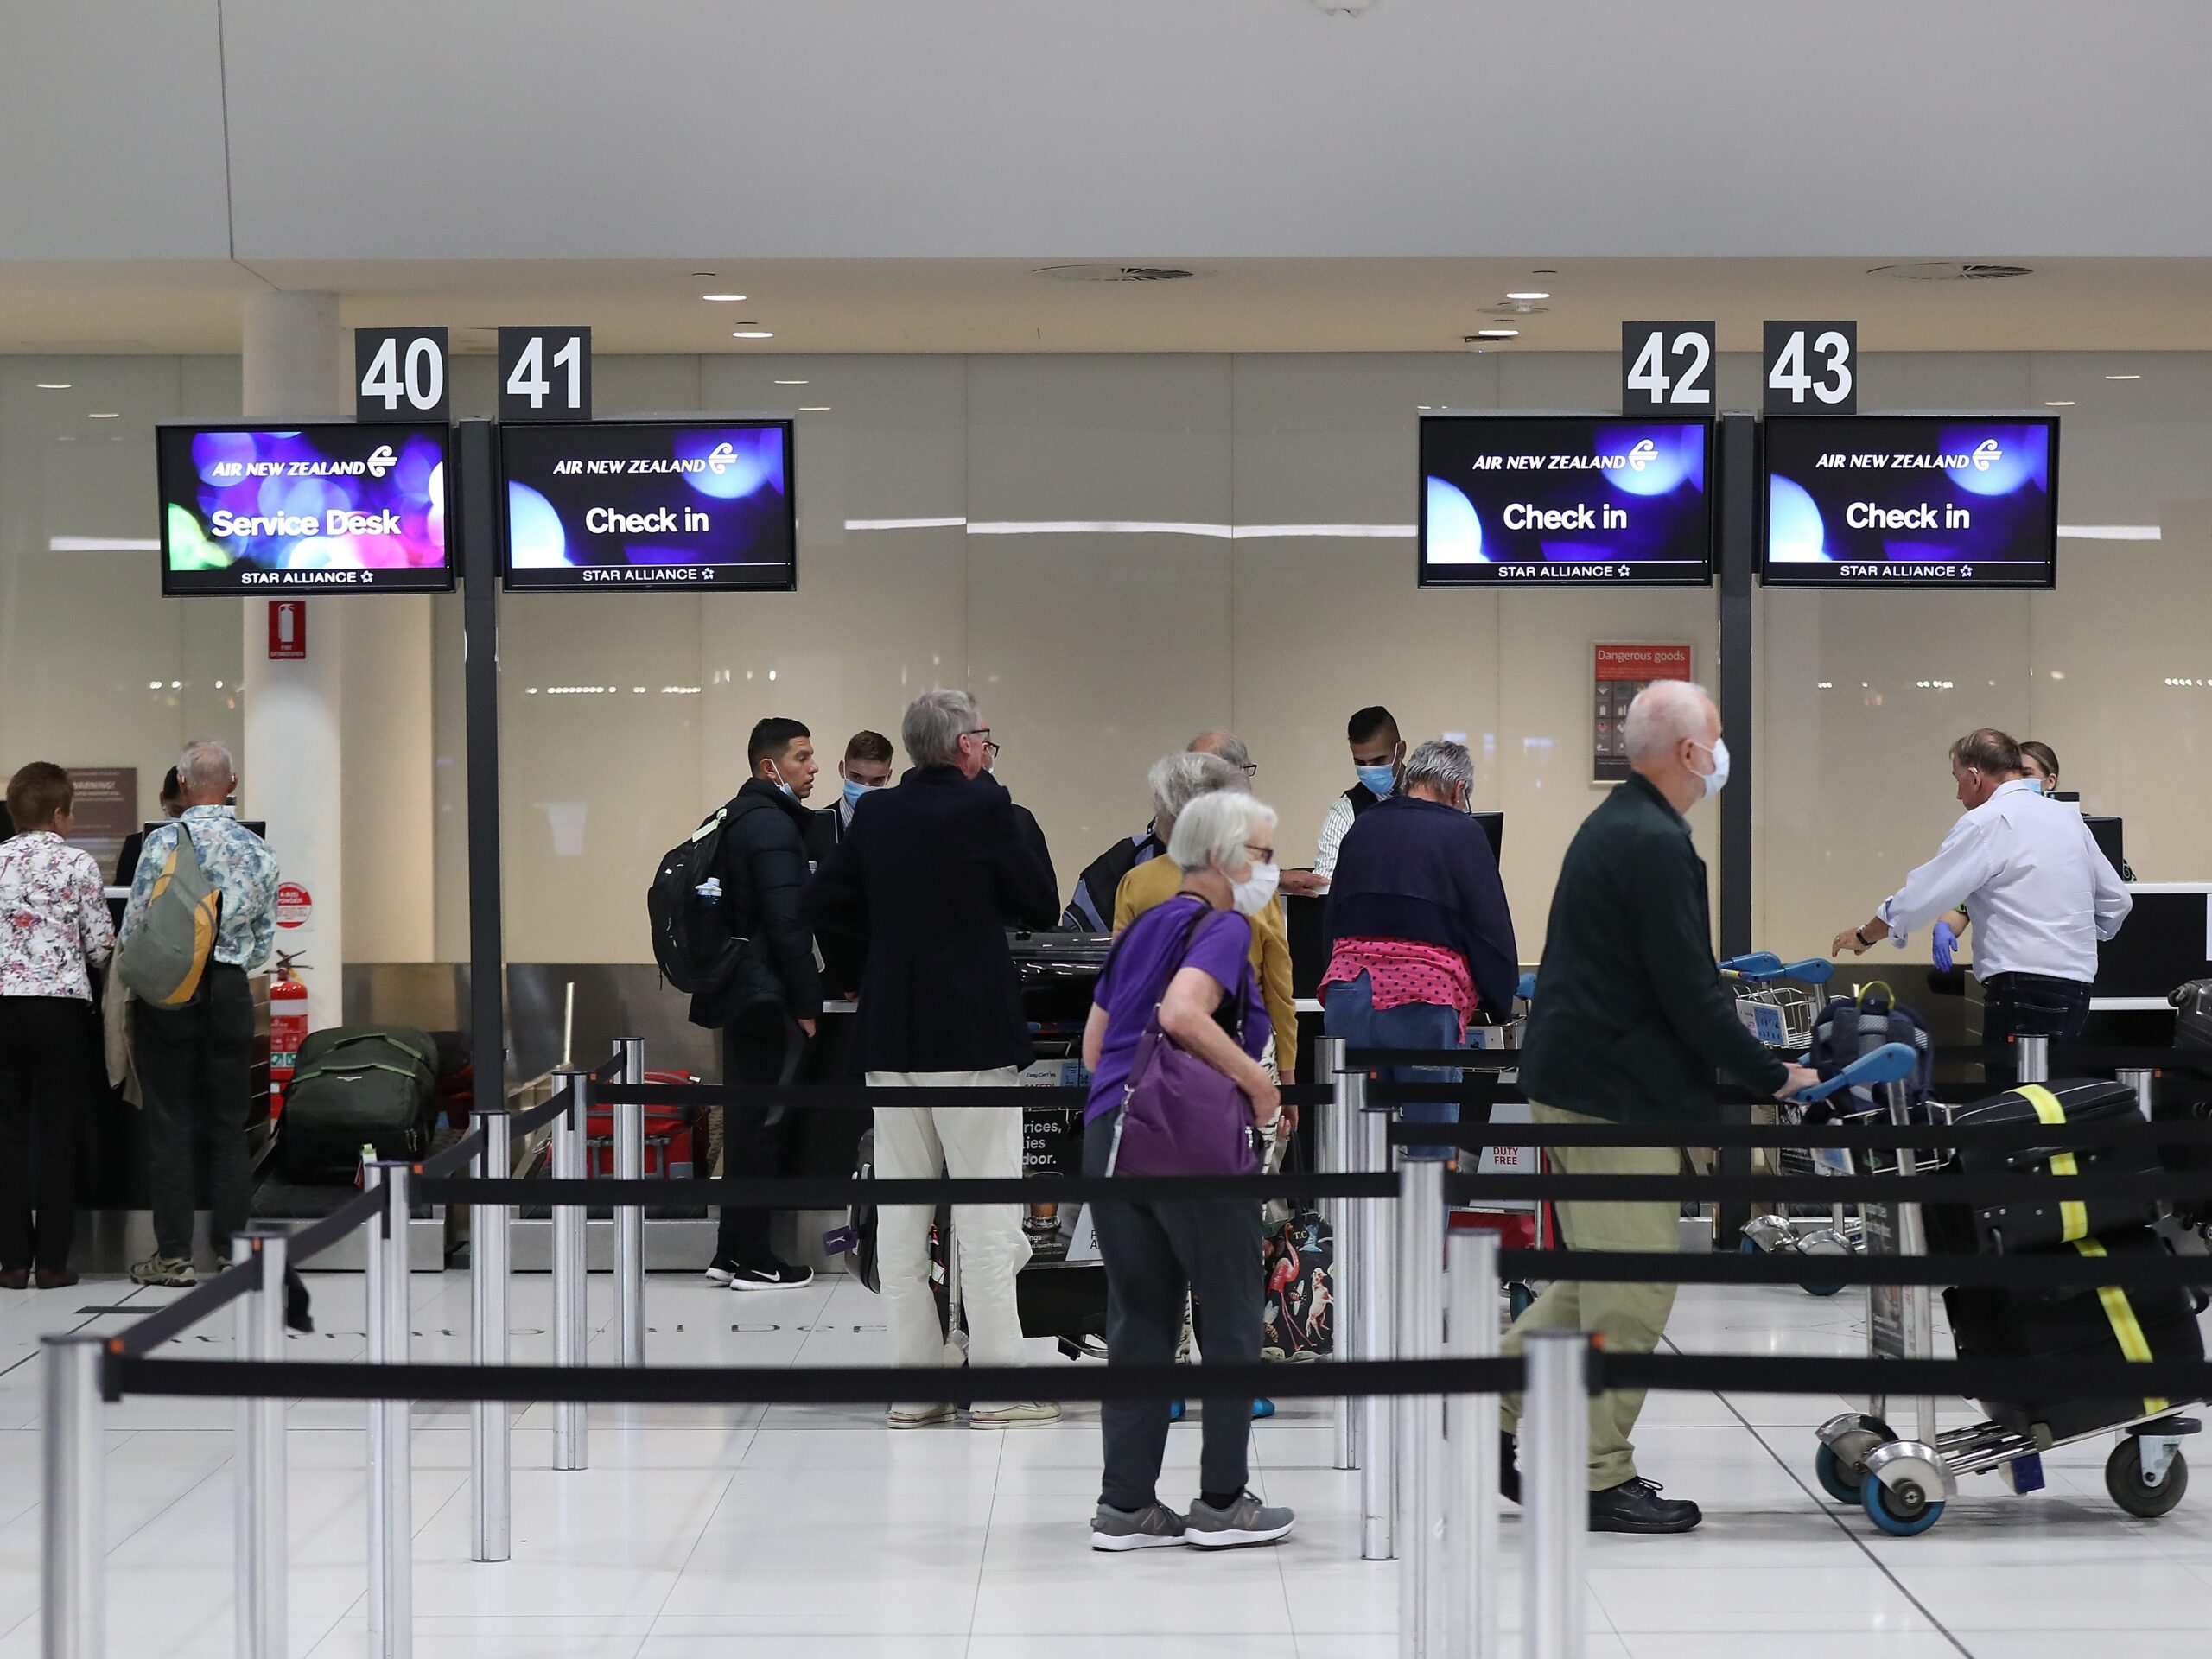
{"points": [[1420, 870]]}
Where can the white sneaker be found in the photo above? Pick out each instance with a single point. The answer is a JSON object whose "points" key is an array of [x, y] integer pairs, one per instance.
{"points": [[1013, 1414], [917, 1416]]}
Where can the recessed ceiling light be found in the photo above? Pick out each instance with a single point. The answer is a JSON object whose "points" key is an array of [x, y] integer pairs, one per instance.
{"points": [[56, 385], [1546, 271], [1495, 334], [706, 273], [1529, 294], [751, 334], [2059, 402], [814, 409], [722, 299], [106, 415], [2123, 376], [794, 383]]}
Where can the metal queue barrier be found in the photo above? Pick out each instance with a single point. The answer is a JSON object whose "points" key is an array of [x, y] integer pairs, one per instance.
{"points": [[1437, 1475]]}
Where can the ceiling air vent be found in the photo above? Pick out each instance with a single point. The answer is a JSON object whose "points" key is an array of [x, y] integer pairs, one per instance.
{"points": [[1950, 271], [1113, 273]]}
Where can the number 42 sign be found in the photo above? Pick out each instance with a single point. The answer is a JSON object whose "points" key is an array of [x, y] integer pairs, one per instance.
{"points": [[1666, 368]]}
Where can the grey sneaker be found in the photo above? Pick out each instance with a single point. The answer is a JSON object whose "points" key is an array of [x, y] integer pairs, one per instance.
{"points": [[173, 1271], [1247, 1521], [1151, 1528]]}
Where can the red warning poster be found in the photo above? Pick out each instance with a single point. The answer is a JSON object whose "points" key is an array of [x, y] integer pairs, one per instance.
{"points": [[1622, 671]]}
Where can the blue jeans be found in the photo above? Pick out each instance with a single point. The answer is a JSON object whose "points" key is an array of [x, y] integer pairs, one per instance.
{"points": [[1353, 1015]]}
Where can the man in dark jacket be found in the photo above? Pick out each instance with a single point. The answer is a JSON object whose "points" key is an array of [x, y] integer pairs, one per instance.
{"points": [[930, 874], [767, 1011], [1628, 1026], [1420, 934]]}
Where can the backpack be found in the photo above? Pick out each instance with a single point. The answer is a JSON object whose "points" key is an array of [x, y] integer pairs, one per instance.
{"points": [[692, 942], [356, 1086], [1851, 1026], [165, 960]]}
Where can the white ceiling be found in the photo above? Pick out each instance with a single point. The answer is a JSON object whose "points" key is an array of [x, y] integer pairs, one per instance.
{"points": [[1002, 305]]}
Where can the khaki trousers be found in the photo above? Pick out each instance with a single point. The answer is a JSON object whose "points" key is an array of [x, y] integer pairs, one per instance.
{"points": [[1630, 1317]]}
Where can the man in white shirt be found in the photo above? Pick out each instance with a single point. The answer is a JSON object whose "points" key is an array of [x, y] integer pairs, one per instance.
{"points": [[1378, 759], [2041, 892]]}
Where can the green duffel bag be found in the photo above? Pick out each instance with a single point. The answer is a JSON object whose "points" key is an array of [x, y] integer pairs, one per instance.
{"points": [[356, 1086]]}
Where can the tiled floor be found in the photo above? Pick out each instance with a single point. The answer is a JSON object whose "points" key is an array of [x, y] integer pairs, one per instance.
{"points": [[800, 1532]]}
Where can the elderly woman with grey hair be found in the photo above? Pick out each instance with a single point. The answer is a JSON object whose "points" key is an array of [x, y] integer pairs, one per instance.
{"points": [[1420, 938]]}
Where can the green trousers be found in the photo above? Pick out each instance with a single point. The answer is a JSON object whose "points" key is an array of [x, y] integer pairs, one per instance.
{"points": [[1630, 1317]]}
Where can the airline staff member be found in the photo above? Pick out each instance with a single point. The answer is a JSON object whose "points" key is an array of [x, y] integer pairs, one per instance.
{"points": [[2041, 892], [1378, 759]]}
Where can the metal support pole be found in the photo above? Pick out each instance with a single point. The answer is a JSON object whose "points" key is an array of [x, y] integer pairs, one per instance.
{"points": [[261, 1558], [2035, 1058], [392, 1463], [1377, 1326], [571, 1418], [1332, 1140], [1470, 1289], [490, 1422], [629, 1219], [1420, 1217], [74, 1603], [1555, 1489], [2141, 1079]]}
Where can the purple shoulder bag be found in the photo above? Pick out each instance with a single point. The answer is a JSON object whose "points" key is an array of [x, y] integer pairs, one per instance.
{"points": [[1179, 1116]]}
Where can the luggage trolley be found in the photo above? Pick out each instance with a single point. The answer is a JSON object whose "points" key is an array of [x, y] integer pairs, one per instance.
{"points": [[1904, 1482], [1520, 1223]]}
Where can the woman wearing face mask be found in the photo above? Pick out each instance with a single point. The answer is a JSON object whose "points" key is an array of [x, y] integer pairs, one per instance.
{"points": [[1190, 959], [1421, 936]]}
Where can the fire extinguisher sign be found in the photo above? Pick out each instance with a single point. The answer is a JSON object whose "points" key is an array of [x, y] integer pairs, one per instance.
{"points": [[288, 631], [294, 905]]}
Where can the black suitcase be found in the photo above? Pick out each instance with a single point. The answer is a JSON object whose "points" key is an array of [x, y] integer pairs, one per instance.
{"points": [[356, 1086], [2042, 1223], [2075, 1323]]}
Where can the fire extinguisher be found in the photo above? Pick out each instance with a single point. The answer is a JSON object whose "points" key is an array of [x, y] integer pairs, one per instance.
{"points": [[288, 1026]]}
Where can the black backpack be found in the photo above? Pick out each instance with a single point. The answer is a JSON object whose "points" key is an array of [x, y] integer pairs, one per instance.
{"points": [[1849, 1027], [692, 942]]}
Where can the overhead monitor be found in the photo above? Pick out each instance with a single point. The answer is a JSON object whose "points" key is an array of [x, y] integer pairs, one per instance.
{"points": [[1911, 501], [1565, 500], [333, 507], [652, 505]]}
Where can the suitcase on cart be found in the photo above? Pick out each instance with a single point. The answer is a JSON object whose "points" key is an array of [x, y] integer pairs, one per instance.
{"points": [[2044, 1223], [2078, 1322]]}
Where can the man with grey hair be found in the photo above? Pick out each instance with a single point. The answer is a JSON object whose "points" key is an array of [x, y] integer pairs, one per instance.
{"points": [[1420, 937], [929, 876], [195, 1062], [1628, 1026], [1091, 905]]}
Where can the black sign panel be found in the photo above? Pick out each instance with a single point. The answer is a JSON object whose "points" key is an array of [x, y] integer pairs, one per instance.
{"points": [[1666, 368], [1810, 368], [545, 374], [399, 374]]}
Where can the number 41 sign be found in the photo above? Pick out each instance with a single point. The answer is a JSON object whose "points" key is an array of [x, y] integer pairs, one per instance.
{"points": [[545, 374]]}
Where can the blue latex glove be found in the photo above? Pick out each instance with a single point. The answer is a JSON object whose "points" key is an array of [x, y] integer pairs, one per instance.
{"points": [[1947, 944]]}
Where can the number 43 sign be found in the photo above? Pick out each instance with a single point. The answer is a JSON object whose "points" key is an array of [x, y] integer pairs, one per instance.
{"points": [[1810, 368]]}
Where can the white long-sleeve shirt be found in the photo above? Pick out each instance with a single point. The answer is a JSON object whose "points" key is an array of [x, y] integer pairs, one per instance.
{"points": [[1334, 827], [2039, 890]]}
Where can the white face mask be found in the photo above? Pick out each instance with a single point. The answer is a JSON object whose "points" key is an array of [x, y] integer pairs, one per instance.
{"points": [[1254, 893], [1717, 780]]}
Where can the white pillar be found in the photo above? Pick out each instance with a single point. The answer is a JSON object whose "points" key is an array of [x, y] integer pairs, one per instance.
{"points": [[289, 773]]}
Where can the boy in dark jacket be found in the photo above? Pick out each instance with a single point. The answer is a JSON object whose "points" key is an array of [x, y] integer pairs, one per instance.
{"points": [[767, 1013]]}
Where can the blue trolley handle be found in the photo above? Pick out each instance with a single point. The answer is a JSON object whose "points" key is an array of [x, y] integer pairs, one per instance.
{"points": [[1891, 1063]]}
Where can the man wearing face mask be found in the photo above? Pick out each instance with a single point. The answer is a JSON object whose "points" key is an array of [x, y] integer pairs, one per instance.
{"points": [[1420, 933], [1628, 1026], [767, 1011], [1378, 757], [2040, 890], [865, 769]]}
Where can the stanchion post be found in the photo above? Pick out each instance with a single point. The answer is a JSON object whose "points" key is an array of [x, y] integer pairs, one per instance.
{"points": [[490, 1422], [261, 1562], [629, 1127], [1470, 1289], [2035, 1058], [1375, 1326], [74, 1603], [1334, 1143], [1555, 1489], [2142, 1080], [392, 1474], [571, 1418], [1420, 1428]]}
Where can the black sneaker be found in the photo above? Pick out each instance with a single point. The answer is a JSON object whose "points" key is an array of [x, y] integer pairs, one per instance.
{"points": [[1636, 1506], [721, 1269], [1509, 1477], [770, 1275]]}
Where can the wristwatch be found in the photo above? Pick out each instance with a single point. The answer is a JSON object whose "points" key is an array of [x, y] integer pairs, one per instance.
{"points": [[1860, 934]]}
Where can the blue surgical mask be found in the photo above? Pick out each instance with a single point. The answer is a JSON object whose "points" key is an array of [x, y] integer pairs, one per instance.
{"points": [[854, 791], [789, 793], [1380, 780]]}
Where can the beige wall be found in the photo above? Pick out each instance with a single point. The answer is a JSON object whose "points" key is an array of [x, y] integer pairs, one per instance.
{"points": [[1093, 652]]}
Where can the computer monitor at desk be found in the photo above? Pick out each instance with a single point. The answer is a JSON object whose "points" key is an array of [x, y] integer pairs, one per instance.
{"points": [[2165, 941]]}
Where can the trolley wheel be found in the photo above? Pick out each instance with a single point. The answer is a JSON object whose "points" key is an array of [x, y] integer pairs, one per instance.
{"points": [[1845, 1485], [1820, 1290], [1903, 1510], [1175, 1411], [1517, 1298], [2124, 1480]]}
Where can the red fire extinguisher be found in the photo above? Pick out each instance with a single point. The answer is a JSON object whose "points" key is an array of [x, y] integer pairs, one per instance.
{"points": [[288, 1026]]}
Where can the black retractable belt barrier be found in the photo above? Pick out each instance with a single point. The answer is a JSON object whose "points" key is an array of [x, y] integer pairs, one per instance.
{"points": [[1452, 1059], [846, 1095], [2022, 1136], [318, 1236], [1999, 1378], [1468, 1091], [1825, 1189], [836, 1192], [455, 1156], [2040, 1272], [188, 1309], [538, 1116]]}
